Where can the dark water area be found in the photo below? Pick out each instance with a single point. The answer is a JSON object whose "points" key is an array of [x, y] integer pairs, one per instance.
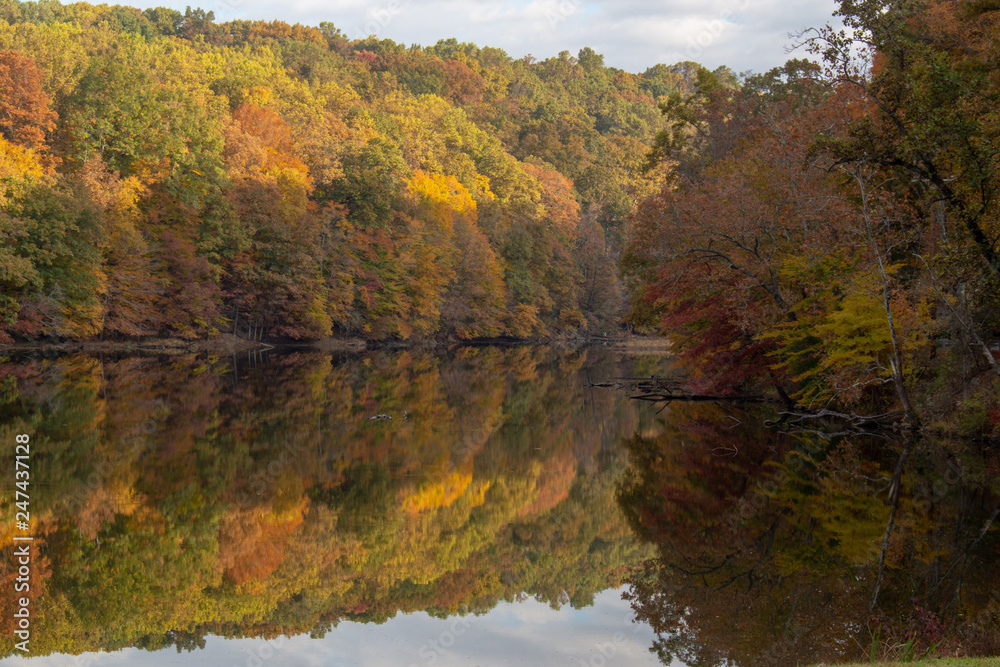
{"points": [[480, 506], [799, 548]]}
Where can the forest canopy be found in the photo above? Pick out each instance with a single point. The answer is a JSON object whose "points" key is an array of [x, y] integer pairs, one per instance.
{"points": [[831, 228], [166, 175]]}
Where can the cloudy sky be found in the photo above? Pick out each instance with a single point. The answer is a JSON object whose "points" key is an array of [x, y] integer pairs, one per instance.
{"points": [[524, 633], [632, 34]]}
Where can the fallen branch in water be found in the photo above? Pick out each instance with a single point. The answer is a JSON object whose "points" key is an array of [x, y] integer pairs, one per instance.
{"points": [[646, 384], [829, 435], [791, 417], [667, 389], [657, 398]]}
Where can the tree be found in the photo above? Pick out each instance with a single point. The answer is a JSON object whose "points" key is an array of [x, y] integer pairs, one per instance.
{"points": [[925, 74], [371, 184], [717, 245], [131, 293], [25, 117], [275, 282], [59, 236], [472, 294]]}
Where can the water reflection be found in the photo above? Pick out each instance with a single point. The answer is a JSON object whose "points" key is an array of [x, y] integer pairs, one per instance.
{"points": [[795, 549], [525, 632], [185, 497], [182, 499]]}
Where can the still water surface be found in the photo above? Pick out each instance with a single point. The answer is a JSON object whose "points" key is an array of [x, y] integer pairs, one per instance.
{"points": [[480, 506]]}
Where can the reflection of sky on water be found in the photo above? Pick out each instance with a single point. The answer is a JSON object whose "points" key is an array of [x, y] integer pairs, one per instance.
{"points": [[522, 633]]}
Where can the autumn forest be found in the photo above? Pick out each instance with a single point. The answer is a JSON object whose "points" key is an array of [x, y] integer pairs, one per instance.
{"points": [[166, 175], [826, 231], [306, 330]]}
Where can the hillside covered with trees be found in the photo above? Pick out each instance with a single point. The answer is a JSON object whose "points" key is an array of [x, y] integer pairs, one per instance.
{"points": [[165, 175]]}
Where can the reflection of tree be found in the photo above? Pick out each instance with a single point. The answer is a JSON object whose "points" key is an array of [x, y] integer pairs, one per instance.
{"points": [[195, 497], [769, 546]]}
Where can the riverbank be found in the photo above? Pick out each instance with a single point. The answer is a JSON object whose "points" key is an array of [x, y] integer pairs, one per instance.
{"points": [[224, 344], [938, 662], [230, 344]]}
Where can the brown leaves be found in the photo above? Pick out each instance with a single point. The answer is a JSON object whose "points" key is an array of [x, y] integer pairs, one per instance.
{"points": [[25, 116]]}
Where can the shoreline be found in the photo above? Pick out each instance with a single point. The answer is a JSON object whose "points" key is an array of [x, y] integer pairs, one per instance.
{"points": [[230, 344], [937, 426]]}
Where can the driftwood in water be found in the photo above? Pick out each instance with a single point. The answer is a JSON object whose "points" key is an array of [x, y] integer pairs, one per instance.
{"points": [[665, 390], [857, 421], [647, 384], [668, 397]]}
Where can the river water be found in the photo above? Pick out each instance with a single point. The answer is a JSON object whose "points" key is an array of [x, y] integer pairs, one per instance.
{"points": [[478, 506]]}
